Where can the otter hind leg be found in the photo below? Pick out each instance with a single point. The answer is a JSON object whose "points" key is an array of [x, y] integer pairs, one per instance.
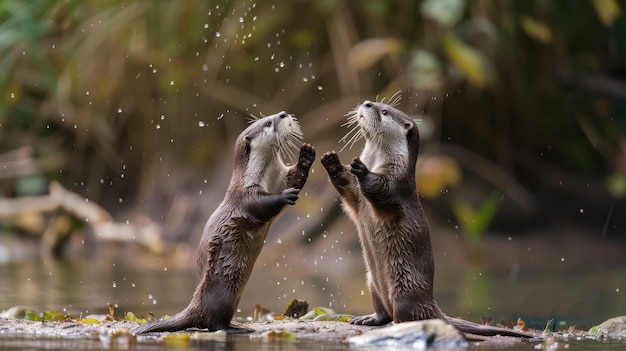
{"points": [[236, 328], [379, 317], [374, 319]]}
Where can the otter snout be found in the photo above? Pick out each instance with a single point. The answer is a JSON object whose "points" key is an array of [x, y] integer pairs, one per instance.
{"points": [[368, 110]]}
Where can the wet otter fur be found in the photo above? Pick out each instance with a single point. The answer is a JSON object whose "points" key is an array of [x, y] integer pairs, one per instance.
{"points": [[380, 196], [260, 187]]}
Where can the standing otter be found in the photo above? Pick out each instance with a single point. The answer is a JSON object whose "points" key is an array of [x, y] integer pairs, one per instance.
{"points": [[260, 187], [379, 194]]}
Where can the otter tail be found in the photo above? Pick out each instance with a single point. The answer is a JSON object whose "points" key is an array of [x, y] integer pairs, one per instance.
{"points": [[485, 330], [180, 321]]}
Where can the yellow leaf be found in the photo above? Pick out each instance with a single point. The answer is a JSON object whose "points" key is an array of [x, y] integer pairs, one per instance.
{"points": [[367, 52], [178, 340], [438, 173], [536, 30], [608, 11], [469, 61]]}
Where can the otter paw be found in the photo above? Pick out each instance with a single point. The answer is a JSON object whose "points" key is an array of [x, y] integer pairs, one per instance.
{"points": [[330, 161], [358, 168], [371, 319], [307, 156], [290, 195]]}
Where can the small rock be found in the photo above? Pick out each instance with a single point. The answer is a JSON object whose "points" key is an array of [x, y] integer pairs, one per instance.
{"points": [[614, 327], [417, 335]]}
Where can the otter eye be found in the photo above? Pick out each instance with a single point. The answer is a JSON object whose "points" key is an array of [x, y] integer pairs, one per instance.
{"points": [[268, 124], [384, 112]]}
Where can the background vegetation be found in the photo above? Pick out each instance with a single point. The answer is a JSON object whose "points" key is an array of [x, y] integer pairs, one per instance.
{"points": [[133, 103]]}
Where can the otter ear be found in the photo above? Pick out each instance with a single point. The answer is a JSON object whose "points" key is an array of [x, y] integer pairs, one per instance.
{"points": [[247, 139], [408, 125]]}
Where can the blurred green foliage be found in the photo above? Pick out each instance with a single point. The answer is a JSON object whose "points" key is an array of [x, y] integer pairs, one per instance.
{"points": [[112, 96]]}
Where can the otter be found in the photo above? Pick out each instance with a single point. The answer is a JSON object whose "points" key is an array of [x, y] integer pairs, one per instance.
{"points": [[379, 194], [260, 187]]}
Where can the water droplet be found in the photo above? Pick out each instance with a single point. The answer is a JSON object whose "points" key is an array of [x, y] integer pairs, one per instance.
{"points": [[120, 200], [171, 82], [205, 67], [119, 110], [201, 124], [320, 88], [206, 25], [158, 126], [582, 211], [218, 34], [562, 259], [114, 284], [240, 19]]}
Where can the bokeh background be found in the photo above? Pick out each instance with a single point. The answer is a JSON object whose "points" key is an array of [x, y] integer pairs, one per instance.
{"points": [[117, 121]]}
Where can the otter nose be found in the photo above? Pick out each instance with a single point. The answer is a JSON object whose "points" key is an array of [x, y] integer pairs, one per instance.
{"points": [[368, 103], [283, 114]]}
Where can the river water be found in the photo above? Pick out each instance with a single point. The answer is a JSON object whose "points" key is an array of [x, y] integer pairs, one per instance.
{"points": [[579, 281]]}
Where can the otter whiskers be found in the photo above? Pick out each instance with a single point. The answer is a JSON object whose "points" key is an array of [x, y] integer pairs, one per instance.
{"points": [[292, 141], [355, 133]]}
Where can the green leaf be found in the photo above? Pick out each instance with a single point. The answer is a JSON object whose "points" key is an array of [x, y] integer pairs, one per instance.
{"points": [[472, 221], [131, 317], [89, 320], [50, 316], [35, 317], [315, 312]]}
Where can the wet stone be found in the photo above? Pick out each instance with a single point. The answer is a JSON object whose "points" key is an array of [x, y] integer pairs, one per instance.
{"points": [[417, 335], [613, 328]]}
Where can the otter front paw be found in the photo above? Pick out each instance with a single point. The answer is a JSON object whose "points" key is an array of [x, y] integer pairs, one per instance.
{"points": [[330, 161], [307, 156], [358, 168], [289, 196]]}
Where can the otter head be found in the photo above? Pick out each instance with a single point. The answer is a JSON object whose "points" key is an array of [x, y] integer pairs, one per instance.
{"points": [[262, 146], [389, 133]]}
